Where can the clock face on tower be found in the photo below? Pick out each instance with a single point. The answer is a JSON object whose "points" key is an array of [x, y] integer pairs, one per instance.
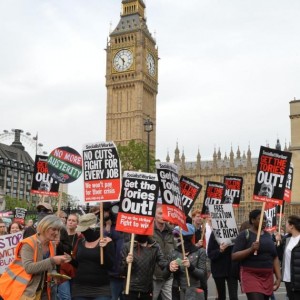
{"points": [[150, 64], [123, 60]]}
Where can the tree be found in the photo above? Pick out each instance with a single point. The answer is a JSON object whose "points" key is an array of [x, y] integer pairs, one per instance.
{"points": [[134, 157], [11, 203]]}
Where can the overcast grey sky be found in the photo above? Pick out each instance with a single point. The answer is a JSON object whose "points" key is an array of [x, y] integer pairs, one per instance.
{"points": [[227, 72]]}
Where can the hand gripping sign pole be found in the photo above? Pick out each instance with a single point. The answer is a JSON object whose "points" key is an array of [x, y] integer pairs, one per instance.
{"points": [[183, 256], [129, 265]]}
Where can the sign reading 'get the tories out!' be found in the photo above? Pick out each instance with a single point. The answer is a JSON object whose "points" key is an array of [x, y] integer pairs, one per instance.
{"points": [[65, 164], [101, 172], [42, 183], [271, 175], [190, 190], [138, 203], [172, 206]]}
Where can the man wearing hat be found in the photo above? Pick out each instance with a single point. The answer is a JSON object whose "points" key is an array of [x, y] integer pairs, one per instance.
{"points": [[43, 209]]}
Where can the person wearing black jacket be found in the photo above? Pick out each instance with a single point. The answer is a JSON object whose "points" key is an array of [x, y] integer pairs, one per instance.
{"points": [[289, 252], [221, 268], [92, 281], [195, 261], [146, 254]]}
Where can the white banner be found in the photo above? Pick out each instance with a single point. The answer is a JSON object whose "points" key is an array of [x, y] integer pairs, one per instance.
{"points": [[8, 244], [223, 223]]}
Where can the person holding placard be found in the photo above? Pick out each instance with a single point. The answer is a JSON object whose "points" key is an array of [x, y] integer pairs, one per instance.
{"points": [[221, 268], [194, 260], [164, 237], [258, 260], [146, 254], [91, 281]]}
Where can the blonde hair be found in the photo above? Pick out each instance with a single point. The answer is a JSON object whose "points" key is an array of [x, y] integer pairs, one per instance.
{"points": [[61, 214], [47, 222]]}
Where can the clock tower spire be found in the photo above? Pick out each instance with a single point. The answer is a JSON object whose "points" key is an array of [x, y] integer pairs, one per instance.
{"points": [[131, 77]]}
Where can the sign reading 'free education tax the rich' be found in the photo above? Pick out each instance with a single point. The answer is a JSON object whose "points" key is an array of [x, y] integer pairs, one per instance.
{"points": [[64, 164]]}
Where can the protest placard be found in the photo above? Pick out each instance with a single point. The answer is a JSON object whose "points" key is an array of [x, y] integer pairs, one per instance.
{"points": [[65, 164], [20, 214], [8, 244], [289, 183], [172, 206], [223, 223], [6, 214], [233, 190], [271, 175], [42, 183], [214, 194], [138, 203], [101, 172], [270, 213], [190, 190]]}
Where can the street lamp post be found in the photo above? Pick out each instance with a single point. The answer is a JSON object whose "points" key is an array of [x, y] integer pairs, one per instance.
{"points": [[148, 127]]}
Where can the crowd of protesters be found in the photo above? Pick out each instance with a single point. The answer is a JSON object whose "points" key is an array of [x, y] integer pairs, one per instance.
{"points": [[64, 257]]}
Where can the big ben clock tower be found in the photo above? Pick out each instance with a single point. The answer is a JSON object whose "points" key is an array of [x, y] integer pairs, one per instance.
{"points": [[131, 77]]}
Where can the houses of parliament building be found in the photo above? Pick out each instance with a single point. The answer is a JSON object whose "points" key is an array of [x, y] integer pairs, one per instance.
{"points": [[132, 87]]}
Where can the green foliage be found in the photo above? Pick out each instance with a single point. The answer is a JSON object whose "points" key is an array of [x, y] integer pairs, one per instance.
{"points": [[134, 157], [12, 203]]}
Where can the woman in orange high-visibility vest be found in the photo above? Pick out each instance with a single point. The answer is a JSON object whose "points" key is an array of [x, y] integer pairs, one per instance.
{"points": [[34, 257]]}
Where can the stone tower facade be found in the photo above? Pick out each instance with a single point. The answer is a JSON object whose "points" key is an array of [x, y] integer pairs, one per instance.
{"points": [[295, 147], [131, 77]]}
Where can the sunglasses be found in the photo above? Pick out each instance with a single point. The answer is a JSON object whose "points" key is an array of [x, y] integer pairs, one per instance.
{"points": [[44, 210]]}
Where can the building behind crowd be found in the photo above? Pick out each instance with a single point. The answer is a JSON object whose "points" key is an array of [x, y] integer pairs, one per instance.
{"points": [[243, 164], [16, 171], [131, 96]]}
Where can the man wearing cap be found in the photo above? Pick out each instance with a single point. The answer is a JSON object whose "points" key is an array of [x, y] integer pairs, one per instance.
{"points": [[43, 209], [194, 260]]}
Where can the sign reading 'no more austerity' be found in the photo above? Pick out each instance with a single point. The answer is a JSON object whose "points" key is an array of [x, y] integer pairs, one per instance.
{"points": [[65, 164]]}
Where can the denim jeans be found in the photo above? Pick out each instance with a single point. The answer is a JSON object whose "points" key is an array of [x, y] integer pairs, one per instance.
{"points": [[116, 287], [64, 291]]}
